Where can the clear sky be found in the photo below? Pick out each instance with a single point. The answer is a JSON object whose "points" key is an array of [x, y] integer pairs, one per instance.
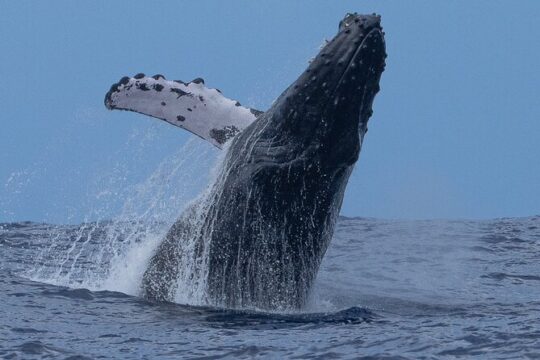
{"points": [[455, 131]]}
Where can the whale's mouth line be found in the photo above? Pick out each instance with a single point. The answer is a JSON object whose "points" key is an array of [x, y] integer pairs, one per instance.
{"points": [[353, 57], [351, 61]]}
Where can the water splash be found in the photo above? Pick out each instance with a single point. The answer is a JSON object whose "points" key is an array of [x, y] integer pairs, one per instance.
{"points": [[112, 254], [181, 276]]}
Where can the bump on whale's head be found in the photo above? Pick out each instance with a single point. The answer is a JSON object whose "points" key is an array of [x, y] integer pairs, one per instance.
{"points": [[329, 105]]}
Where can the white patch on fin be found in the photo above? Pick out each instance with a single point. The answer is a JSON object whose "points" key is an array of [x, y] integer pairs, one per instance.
{"points": [[192, 106]]}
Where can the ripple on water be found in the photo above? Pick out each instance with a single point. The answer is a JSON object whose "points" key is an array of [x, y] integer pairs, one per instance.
{"points": [[386, 289]]}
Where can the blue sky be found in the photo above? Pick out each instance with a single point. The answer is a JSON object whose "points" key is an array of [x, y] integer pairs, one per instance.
{"points": [[455, 131]]}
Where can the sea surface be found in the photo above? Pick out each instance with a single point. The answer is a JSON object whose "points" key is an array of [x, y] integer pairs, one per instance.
{"points": [[387, 289]]}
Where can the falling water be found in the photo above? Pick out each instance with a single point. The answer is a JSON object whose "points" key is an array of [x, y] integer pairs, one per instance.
{"points": [[112, 253]]}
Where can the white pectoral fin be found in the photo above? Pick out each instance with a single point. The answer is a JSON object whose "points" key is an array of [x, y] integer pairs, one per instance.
{"points": [[192, 106]]}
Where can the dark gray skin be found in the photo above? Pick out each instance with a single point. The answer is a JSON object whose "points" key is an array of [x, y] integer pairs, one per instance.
{"points": [[269, 218]]}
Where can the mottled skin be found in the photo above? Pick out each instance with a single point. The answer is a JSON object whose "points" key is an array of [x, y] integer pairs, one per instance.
{"points": [[269, 218]]}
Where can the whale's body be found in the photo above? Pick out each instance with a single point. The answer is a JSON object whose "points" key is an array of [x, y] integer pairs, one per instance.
{"points": [[258, 237]]}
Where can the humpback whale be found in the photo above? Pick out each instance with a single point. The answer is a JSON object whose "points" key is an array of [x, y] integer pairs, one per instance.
{"points": [[257, 237]]}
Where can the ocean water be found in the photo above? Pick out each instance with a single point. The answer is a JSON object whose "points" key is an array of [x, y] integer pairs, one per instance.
{"points": [[386, 289]]}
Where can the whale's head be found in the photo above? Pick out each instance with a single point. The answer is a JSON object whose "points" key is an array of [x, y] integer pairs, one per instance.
{"points": [[325, 111]]}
